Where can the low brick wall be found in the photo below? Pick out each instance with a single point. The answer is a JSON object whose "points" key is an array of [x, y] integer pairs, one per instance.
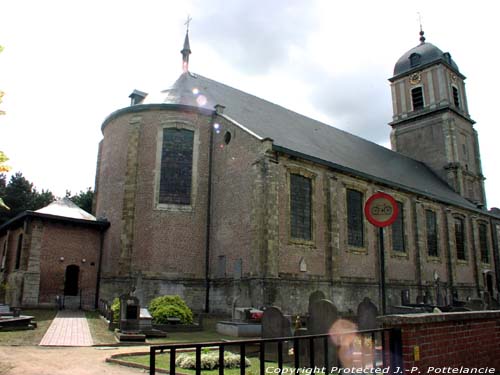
{"points": [[439, 341]]}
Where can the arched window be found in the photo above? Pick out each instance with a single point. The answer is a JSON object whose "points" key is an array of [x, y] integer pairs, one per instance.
{"points": [[414, 59], [460, 238], [176, 166], [417, 98], [456, 98], [355, 229], [300, 207]]}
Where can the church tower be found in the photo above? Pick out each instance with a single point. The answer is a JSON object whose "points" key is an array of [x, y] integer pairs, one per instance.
{"points": [[431, 121]]}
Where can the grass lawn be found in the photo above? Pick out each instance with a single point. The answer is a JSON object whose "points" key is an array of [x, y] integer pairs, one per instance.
{"points": [[30, 337], [101, 335], [163, 362]]}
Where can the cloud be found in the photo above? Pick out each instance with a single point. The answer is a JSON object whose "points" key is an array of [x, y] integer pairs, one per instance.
{"points": [[256, 36]]}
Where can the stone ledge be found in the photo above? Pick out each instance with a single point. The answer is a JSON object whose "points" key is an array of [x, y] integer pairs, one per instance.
{"points": [[410, 319]]}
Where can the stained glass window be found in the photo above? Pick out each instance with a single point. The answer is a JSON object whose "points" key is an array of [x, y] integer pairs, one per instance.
{"points": [[460, 238], [483, 243], [432, 243], [355, 218], [300, 207], [176, 166], [398, 233]]}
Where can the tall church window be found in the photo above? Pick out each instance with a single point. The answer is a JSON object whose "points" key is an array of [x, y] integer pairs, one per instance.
{"points": [[176, 166], [417, 98], [460, 238], [456, 99], [300, 207], [431, 224], [18, 252], [483, 243], [398, 233], [355, 218]]}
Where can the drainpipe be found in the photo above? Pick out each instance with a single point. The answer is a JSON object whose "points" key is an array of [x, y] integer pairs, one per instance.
{"points": [[448, 248], [219, 109], [99, 266], [417, 247]]}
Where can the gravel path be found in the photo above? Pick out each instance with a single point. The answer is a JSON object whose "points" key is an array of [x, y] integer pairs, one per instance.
{"points": [[33, 360]]}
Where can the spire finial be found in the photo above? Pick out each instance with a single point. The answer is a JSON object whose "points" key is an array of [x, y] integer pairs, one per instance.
{"points": [[186, 50], [422, 37]]}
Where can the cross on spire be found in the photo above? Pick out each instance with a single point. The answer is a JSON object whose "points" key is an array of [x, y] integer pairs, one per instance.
{"points": [[188, 20], [186, 50], [422, 38]]}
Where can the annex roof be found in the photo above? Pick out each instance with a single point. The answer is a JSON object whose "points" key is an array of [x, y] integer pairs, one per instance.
{"points": [[66, 208]]}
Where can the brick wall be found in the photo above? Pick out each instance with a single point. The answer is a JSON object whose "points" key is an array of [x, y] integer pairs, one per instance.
{"points": [[469, 339]]}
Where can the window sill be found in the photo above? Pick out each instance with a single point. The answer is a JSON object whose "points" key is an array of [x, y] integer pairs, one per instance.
{"points": [[462, 262], [433, 259], [174, 207], [357, 250], [299, 242], [399, 254]]}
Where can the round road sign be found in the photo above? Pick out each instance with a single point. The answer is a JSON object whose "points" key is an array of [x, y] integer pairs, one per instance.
{"points": [[381, 209]]}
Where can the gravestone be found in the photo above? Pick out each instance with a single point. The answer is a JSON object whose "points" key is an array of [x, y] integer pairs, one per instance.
{"points": [[275, 324], [323, 314], [405, 297], [315, 296], [367, 315], [130, 312], [420, 299]]}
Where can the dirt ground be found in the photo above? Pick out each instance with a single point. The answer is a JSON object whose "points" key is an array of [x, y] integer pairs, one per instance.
{"points": [[34, 360]]}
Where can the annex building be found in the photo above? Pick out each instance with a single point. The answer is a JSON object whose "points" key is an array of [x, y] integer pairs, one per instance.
{"points": [[225, 198]]}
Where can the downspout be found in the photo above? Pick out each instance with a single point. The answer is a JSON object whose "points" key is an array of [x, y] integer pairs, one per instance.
{"points": [[218, 110], [448, 248], [99, 266], [417, 247]]}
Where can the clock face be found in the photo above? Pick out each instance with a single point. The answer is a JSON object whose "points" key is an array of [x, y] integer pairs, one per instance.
{"points": [[415, 78]]}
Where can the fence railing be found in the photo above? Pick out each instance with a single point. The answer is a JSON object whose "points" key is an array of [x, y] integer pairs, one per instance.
{"points": [[369, 350]]}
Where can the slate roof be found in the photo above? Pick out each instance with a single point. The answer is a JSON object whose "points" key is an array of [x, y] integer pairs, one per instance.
{"points": [[311, 139], [429, 53]]}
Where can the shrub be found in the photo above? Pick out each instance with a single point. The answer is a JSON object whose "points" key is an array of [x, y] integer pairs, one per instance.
{"points": [[209, 361], [115, 308], [164, 307]]}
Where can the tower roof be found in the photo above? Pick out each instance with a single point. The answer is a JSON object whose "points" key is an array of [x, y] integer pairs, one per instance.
{"points": [[422, 55], [66, 208]]}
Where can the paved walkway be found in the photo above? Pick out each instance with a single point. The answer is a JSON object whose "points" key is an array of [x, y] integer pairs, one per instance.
{"points": [[69, 328]]}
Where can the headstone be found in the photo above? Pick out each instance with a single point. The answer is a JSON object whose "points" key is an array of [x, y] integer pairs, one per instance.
{"points": [[420, 299], [313, 297], [405, 297], [275, 324], [427, 298], [129, 313], [238, 269], [367, 315], [323, 314], [303, 347]]}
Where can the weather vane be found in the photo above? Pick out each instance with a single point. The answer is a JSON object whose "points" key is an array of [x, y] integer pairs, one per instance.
{"points": [[422, 38], [187, 23]]}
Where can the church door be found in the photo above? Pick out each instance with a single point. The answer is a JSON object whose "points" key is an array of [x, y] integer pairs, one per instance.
{"points": [[71, 280]]}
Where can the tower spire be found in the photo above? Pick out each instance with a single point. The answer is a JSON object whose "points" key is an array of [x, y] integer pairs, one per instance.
{"points": [[186, 50], [422, 37]]}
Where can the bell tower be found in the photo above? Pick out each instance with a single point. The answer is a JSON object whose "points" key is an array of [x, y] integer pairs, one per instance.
{"points": [[431, 121]]}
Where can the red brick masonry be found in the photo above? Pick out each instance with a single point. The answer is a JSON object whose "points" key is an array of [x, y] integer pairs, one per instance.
{"points": [[439, 341]]}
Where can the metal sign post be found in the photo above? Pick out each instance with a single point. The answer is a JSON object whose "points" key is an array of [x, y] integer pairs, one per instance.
{"points": [[381, 210]]}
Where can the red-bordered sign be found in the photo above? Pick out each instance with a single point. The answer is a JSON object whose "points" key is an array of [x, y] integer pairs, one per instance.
{"points": [[381, 209]]}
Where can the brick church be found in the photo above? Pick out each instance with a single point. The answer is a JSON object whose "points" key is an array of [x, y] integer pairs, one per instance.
{"points": [[227, 199]]}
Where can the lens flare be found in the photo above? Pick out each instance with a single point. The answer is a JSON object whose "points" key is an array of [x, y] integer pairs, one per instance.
{"points": [[196, 91], [201, 100], [216, 126]]}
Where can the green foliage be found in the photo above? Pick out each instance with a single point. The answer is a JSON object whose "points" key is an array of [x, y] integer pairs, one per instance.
{"points": [[83, 199], [165, 307], [209, 361], [21, 195], [115, 307]]}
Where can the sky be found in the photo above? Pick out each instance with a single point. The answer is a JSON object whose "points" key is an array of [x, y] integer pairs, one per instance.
{"points": [[67, 65]]}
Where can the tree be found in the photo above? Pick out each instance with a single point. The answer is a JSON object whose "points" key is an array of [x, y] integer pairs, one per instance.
{"points": [[83, 199], [3, 168], [20, 195]]}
